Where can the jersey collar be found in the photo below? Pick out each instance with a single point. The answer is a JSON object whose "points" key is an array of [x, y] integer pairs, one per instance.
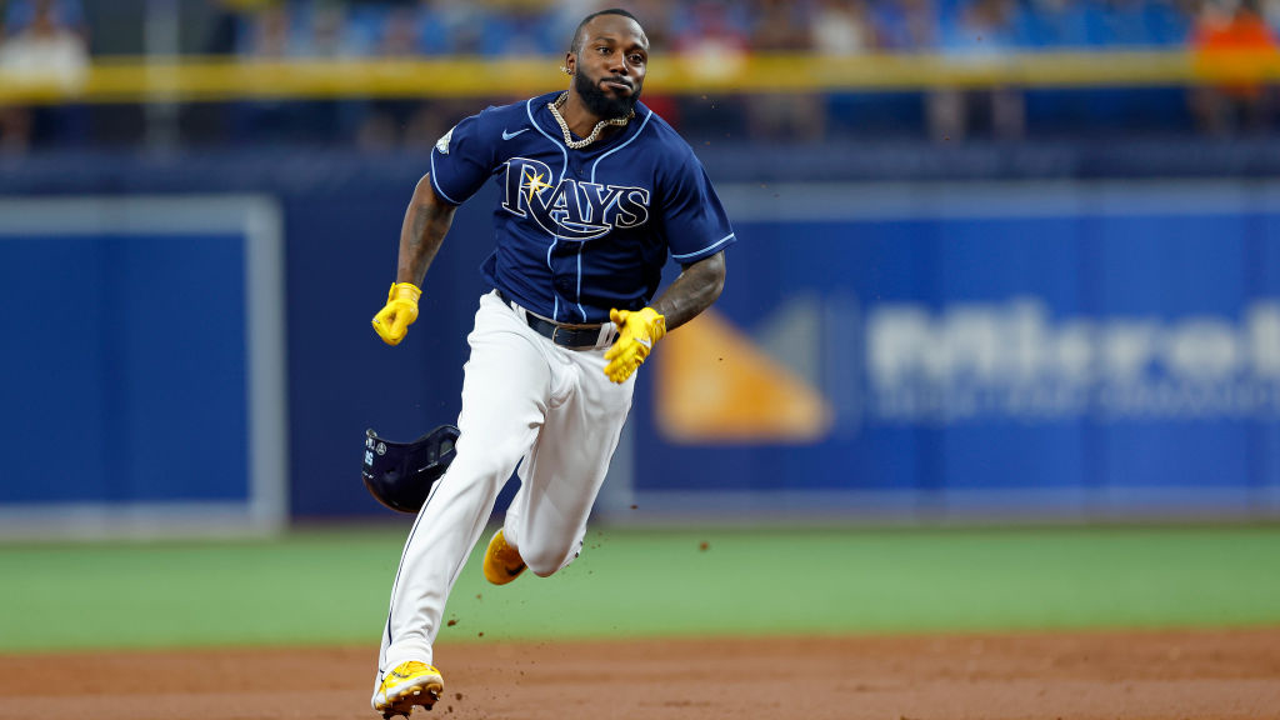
{"points": [[542, 115]]}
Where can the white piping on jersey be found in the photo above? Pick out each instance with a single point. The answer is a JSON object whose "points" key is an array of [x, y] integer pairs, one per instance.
{"points": [[628, 142], [581, 311], [713, 245], [528, 110], [595, 165], [555, 308], [435, 184]]}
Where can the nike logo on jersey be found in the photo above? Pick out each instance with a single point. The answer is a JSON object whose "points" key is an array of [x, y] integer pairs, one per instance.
{"points": [[571, 209], [508, 135]]}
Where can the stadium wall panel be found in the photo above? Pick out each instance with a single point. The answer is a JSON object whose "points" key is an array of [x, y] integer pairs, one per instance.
{"points": [[1066, 347]]}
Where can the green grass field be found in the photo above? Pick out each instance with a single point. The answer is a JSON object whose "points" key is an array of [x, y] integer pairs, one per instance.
{"points": [[323, 587]]}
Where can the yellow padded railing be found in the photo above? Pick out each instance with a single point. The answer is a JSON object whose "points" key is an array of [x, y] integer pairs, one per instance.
{"points": [[138, 80]]}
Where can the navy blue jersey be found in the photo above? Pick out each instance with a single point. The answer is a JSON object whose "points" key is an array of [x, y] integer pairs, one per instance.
{"points": [[582, 231]]}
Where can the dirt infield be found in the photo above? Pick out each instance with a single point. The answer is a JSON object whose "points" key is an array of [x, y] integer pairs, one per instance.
{"points": [[1175, 675]]}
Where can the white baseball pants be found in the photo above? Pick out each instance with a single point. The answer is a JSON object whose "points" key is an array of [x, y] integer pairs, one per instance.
{"points": [[523, 398]]}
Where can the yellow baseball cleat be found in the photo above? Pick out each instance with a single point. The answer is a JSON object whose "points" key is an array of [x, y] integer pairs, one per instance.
{"points": [[411, 684], [502, 563]]}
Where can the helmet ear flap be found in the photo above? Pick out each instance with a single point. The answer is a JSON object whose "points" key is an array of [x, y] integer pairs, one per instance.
{"points": [[401, 475]]}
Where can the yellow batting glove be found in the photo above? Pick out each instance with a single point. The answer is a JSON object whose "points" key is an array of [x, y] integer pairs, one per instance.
{"points": [[393, 321], [637, 332]]}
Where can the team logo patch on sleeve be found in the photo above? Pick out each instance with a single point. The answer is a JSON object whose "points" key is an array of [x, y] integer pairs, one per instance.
{"points": [[443, 143]]}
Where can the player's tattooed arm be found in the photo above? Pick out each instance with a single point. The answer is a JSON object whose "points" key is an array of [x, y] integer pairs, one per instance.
{"points": [[697, 287], [426, 221]]}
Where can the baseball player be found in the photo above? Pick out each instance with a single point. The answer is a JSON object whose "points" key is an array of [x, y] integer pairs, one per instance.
{"points": [[596, 193]]}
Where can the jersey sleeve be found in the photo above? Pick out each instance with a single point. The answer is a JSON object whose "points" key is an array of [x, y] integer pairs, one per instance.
{"points": [[463, 159], [695, 223]]}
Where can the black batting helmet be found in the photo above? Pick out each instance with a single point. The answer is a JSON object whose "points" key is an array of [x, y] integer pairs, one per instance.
{"points": [[400, 475]]}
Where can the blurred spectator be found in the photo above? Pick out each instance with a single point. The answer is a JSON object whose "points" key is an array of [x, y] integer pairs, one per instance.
{"points": [[43, 53], [223, 32], [906, 25], [451, 27], [656, 16], [983, 30], [711, 43], [781, 27], [320, 29], [66, 14], [842, 27], [43, 46], [326, 33], [712, 38], [1231, 35], [1168, 22], [401, 34], [1118, 23], [269, 32], [1054, 24], [15, 131], [518, 28], [707, 41], [280, 31], [392, 122]]}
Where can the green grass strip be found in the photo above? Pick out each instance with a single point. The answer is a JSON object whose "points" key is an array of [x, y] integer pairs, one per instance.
{"points": [[323, 587]]}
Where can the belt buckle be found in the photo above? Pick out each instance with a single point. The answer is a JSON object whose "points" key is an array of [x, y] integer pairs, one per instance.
{"points": [[555, 329]]}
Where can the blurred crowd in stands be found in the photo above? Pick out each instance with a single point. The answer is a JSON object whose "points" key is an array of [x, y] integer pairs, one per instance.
{"points": [[832, 27], [60, 37]]}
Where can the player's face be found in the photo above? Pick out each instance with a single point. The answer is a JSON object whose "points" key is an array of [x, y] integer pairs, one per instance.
{"points": [[608, 72]]}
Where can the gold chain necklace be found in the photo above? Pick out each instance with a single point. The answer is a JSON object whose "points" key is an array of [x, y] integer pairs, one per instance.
{"points": [[595, 134]]}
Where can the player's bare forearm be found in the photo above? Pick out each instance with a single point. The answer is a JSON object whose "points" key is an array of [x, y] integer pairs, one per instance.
{"points": [[695, 290], [426, 221]]}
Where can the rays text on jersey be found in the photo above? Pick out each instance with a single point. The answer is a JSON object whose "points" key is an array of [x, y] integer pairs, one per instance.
{"points": [[572, 209]]}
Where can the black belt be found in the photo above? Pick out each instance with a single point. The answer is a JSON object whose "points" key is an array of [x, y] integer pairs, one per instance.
{"points": [[571, 336]]}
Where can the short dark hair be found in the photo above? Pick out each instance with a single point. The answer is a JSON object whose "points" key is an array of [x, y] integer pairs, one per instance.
{"points": [[575, 46]]}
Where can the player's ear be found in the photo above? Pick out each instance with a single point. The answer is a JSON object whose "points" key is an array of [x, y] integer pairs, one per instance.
{"points": [[569, 62]]}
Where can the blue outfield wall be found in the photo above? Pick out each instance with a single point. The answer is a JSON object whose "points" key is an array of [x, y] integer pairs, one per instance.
{"points": [[1074, 348], [96, 375], [140, 382], [341, 260]]}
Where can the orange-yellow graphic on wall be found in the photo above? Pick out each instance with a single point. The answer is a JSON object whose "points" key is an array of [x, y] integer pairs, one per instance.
{"points": [[715, 385]]}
